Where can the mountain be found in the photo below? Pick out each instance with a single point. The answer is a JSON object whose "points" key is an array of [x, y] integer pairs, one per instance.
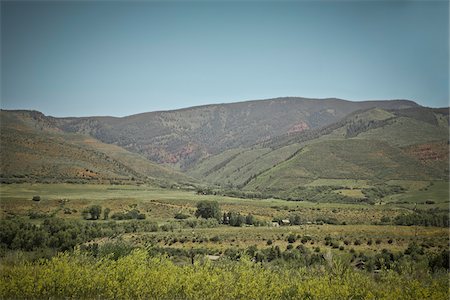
{"points": [[34, 148], [274, 146], [181, 138], [372, 144]]}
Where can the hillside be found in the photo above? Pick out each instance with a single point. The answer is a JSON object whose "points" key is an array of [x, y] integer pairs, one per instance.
{"points": [[268, 146], [34, 149], [375, 144], [181, 138]]}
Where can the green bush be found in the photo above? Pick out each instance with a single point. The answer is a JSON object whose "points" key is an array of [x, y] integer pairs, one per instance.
{"points": [[291, 238], [208, 209], [181, 216]]}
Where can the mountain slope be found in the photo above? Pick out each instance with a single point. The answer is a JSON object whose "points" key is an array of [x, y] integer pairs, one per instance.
{"points": [[33, 148], [183, 137], [372, 144], [272, 145]]}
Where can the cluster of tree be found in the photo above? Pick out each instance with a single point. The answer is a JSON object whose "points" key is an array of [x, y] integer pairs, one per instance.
{"points": [[424, 218], [94, 212], [128, 215], [381, 191], [113, 250], [302, 256], [53, 233], [323, 193], [236, 219], [208, 210], [236, 193], [396, 260], [356, 127], [62, 234], [211, 210]]}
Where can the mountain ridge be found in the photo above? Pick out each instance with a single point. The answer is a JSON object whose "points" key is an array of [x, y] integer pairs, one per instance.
{"points": [[180, 138], [412, 102]]}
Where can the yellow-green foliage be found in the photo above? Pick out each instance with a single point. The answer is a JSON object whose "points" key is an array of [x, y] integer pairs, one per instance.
{"points": [[140, 276]]}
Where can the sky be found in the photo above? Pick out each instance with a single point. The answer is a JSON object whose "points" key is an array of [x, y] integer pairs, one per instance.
{"points": [[79, 58]]}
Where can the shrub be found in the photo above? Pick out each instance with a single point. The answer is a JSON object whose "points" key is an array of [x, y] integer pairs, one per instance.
{"points": [[249, 219], [291, 238], [295, 219], [37, 215], [385, 219], [114, 250], [215, 239], [235, 219], [181, 216], [129, 215], [106, 212]]}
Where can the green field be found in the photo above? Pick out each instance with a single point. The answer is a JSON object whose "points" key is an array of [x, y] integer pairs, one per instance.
{"points": [[162, 204], [291, 261]]}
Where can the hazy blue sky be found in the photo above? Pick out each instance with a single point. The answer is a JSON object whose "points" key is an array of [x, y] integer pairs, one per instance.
{"points": [[119, 58]]}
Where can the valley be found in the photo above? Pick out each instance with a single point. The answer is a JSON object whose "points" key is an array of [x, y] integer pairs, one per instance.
{"points": [[346, 192]]}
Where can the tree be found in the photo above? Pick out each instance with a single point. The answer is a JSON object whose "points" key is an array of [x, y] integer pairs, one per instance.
{"points": [[106, 213], [249, 219], [291, 238], [92, 213], [295, 219], [208, 209], [235, 219]]}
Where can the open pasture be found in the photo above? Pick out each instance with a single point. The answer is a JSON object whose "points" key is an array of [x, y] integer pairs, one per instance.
{"points": [[162, 204]]}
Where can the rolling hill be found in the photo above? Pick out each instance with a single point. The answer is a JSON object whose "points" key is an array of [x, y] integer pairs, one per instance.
{"points": [[34, 149]]}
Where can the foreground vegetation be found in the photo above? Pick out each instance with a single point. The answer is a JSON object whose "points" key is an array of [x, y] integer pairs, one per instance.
{"points": [[101, 241], [140, 276]]}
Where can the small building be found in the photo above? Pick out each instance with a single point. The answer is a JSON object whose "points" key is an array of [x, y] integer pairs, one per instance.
{"points": [[213, 257], [285, 222]]}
